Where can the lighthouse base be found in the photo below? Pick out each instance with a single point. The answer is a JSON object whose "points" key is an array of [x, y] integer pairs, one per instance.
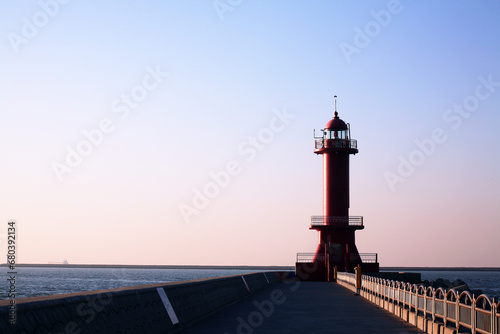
{"points": [[311, 271], [318, 271]]}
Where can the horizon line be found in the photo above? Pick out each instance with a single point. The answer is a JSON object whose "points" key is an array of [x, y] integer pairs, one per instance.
{"points": [[202, 266]]}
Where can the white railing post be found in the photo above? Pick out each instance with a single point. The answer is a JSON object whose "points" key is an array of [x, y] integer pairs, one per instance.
{"points": [[493, 317], [373, 289], [473, 314], [425, 309], [383, 293], [495, 306], [396, 300], [445, 309], [434, 305], [496, 316], [416, 307], [380, 292]]}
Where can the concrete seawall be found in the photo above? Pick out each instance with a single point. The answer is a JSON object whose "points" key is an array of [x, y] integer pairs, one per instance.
{"points": [[157, 308]]}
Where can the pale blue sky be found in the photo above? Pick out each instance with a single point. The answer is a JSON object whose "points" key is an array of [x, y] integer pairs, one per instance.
{"points": [[227, 79]]}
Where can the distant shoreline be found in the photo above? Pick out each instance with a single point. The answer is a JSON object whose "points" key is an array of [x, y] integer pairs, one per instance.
{"points": [[131, 266], [439, 268]]}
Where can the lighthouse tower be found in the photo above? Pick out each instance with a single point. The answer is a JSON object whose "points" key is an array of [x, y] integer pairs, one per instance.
{"points": [[336, 228]]}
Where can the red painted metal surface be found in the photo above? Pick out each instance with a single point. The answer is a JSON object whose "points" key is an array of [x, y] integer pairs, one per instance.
{"points": [[336, 123], [336, 244]]}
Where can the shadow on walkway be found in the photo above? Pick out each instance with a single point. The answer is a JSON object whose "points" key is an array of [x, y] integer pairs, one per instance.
{"points": [[304, 307]]}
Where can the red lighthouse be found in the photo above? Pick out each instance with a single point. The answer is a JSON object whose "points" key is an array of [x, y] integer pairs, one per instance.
{"points": [[336, 228]]}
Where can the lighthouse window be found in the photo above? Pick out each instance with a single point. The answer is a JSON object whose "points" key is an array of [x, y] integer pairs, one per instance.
{"points": [[335, 134]]}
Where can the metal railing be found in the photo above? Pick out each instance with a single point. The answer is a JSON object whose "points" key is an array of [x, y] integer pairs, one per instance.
{"points": [[369, 257], [337, 143], [309, 257], [424, 306], [336, 221]]}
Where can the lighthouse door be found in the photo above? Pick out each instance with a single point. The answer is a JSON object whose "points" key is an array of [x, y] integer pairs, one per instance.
{"points": [[336, 253]]}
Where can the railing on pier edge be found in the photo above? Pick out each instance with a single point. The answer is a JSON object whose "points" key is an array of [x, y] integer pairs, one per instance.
{"points": [[424, 307]]}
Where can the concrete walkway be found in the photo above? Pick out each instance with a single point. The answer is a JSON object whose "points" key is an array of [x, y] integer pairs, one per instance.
{"points": [[304, 307]]}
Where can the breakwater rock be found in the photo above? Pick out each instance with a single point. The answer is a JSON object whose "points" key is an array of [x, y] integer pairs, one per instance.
{"points": [[446, 284]]}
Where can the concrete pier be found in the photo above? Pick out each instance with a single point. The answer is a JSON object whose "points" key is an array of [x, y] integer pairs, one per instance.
{"points": [[304, 307]]}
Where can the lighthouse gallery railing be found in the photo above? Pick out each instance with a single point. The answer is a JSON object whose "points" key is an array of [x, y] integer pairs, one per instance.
{"points": [[339, 143], [423, 306], [310, 257], [336, 220]]}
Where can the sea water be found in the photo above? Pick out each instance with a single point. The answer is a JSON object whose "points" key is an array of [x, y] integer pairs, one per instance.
{"points": [[35, 281]]}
